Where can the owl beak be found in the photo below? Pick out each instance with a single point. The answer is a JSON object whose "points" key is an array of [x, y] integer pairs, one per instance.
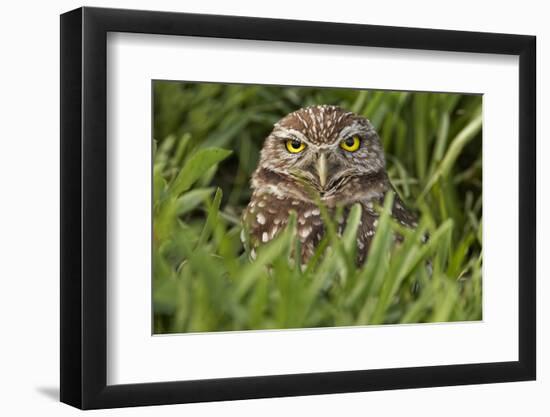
{"points": [[322, 169]]}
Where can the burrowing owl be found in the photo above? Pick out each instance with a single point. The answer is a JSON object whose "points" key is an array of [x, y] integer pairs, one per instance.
{"points": [[319, 153]]}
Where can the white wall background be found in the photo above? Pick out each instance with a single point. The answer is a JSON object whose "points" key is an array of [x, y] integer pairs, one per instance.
{"points": [[29, 226]]}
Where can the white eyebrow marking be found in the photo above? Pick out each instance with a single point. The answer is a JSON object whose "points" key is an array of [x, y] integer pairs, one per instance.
{"points": [[354, 129], [284, 133]]}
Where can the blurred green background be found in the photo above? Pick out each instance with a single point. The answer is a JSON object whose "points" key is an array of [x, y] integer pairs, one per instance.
{"points": [[207, 139]]}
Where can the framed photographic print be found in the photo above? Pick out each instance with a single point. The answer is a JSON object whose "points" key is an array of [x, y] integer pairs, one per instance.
{"points": [[257, 208]]}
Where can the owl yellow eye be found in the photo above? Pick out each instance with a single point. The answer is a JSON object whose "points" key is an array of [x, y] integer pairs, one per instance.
{"points": [[295, 146], [351, 144]]}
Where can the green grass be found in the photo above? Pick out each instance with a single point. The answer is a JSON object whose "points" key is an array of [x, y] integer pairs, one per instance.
{"points": [[207, 141]]}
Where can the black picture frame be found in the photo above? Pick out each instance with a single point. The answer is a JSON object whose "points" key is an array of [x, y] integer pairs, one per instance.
{"points": [[84, 207]]}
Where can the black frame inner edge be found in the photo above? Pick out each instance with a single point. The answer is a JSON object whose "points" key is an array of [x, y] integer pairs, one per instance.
{"points": [[83, 207]]}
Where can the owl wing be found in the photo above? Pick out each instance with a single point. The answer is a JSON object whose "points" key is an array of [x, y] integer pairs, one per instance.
{"points": [[267, 215], [369, 223], [401, 213], [264, 217]]}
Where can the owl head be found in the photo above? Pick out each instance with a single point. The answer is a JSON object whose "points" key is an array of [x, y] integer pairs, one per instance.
{"points": [[323, 147]]}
